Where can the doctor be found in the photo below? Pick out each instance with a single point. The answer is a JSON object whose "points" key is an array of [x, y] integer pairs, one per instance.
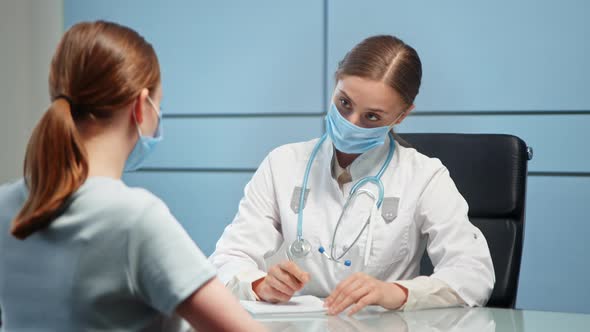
{"points": [[354, 209]]}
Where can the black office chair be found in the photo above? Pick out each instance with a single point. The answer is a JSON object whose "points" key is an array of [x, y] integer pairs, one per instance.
{"points": [[490, 171]]}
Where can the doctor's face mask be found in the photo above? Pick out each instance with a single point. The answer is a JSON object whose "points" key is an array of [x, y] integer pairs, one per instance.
{"points": [[362, 113]]}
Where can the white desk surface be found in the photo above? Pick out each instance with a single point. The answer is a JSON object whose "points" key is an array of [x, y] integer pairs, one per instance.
{"points": [[452, 319]]}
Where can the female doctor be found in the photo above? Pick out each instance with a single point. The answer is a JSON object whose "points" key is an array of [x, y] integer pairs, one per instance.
{"points": [[370, 207]]}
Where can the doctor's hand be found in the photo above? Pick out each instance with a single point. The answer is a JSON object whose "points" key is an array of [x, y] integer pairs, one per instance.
{"points": [[360, 290], [281, 282]]}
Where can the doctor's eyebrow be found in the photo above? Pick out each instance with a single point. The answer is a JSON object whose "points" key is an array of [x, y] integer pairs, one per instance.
{"points": [[347, 97], [376, 110]]}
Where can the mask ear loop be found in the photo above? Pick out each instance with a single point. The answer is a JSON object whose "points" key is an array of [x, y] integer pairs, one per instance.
{"points": [[156, 109], [158, 114], [395, 121]]}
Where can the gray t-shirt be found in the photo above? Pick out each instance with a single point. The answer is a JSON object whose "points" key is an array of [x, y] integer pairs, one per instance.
{"points": [[115, 260]]}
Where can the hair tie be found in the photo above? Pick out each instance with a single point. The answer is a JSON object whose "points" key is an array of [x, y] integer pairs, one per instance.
{"points": [[67, 99]]}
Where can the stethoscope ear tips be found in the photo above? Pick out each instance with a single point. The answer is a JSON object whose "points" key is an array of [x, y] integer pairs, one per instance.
{"points": [[347, 262], [321, 250]]}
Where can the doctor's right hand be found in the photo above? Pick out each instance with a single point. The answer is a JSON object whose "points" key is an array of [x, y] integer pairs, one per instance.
{"points": [[281, 282]]}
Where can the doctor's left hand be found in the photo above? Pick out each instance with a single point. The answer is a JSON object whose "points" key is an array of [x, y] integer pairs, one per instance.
{"points": [[360, 290]]}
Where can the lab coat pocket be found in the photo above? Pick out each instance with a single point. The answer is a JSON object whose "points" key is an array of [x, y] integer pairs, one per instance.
{"points": [[390, 241]]}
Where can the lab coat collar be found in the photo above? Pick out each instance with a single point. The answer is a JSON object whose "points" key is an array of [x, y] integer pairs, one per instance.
{"points": [[368, 163]]}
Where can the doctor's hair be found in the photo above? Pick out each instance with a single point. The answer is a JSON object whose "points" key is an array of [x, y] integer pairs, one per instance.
{"points": [[387, 59], [97, 69]]}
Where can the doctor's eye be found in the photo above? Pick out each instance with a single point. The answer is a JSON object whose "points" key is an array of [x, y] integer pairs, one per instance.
{"points": [[372, 117], [345, 103]]}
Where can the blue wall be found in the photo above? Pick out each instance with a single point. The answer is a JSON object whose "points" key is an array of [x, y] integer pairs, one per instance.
{"points": [[243, 77]]}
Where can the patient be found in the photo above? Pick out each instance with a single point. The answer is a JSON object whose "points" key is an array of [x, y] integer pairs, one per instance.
{"points": [[79, 249]]}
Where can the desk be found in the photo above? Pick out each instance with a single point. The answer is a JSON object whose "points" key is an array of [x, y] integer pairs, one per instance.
{"points": [[443, 320]]}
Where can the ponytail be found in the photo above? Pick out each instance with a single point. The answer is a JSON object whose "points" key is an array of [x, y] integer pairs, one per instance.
{"points": [[56, 165]]}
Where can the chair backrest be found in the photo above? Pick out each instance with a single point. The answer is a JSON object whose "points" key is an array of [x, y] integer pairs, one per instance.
{"points": [[490, 171]]}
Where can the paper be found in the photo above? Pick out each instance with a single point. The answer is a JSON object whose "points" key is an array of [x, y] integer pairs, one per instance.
{"points": [[307, 304]]}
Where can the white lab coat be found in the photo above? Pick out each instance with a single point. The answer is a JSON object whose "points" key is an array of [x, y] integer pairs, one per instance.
{"points": [[428, 212]]}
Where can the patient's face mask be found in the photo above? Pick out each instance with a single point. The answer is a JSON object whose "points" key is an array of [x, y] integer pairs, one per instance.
{"points": [[145, 145]]}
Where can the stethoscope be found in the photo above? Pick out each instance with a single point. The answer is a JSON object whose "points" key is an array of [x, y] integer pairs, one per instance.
{"points": [[301, 247]]}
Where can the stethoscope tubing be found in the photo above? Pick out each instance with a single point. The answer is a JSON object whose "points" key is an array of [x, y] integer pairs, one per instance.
{"points": [[379, 199]]}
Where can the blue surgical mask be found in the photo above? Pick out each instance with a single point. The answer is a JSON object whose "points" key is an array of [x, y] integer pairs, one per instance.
{"points": [[145, 144], [349, 138]]}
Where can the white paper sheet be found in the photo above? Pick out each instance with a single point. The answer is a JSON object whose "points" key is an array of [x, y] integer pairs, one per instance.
{"points": [[307, 304]]}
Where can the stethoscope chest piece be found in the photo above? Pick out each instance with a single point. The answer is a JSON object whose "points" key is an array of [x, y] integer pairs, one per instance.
{"points": [[299, 248]]}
